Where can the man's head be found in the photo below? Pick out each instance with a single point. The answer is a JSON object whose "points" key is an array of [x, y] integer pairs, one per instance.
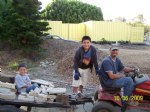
{"points": [[114, 51], [86, 42], [22, 68]]}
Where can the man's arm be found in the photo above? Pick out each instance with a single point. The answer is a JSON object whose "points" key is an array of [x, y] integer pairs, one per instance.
{"points": [[108, 67], [114, 76], [128, 69]]}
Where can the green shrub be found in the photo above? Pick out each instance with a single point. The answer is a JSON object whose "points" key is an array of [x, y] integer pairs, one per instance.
{"points": [[13, 65]]}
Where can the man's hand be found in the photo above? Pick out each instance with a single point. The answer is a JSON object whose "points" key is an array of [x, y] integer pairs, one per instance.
{"points": [[77, 75], [136, 70], [129, 69]]}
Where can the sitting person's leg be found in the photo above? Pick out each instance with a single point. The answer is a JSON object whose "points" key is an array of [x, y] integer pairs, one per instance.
{"points": [[32, 87], [127, 84]]}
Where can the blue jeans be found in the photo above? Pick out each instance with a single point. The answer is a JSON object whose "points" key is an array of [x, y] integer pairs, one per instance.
{"points": [[32, 87], [127, 84]]}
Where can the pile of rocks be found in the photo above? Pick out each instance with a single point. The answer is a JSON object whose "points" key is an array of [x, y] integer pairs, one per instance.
{"points": [[46, 64], [43, 93]]}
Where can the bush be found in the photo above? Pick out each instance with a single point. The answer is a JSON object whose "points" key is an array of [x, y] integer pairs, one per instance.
{"points": [[13, 65], [123, 42], [104, 41]]}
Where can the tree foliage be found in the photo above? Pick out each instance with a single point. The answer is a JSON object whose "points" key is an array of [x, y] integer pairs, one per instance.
{"points": [[138, 21], [139, 18], [21, 27], [4, 6], [120, 19], [71, 11]]}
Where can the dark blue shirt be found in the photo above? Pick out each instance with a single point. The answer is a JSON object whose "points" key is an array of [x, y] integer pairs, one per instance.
{"points": [[86, 56], [78, 58], [108, 65]]}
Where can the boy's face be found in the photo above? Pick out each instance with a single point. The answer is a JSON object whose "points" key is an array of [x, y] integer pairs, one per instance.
{"points": [[86, 44], [22, 70]]}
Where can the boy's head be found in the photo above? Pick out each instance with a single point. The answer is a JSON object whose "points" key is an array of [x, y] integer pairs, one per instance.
{"points": [[86, 42], [22, 68]]}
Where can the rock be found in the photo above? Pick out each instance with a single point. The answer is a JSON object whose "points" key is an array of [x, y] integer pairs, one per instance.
{"points": [[7, 93], [7, 85], [56, 90], [26, 98], [6, 78], [45, 64]]}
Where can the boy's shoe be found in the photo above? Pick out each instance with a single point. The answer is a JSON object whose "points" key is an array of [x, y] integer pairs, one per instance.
{"points": [[73, 96], [80, 95]]}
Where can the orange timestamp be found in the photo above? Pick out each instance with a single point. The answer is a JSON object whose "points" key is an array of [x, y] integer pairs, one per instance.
{"points": [[126, 98]]}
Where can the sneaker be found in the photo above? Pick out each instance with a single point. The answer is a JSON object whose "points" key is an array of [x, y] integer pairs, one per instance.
{"points": [[73, 96], [79, 95], [133, 103]]}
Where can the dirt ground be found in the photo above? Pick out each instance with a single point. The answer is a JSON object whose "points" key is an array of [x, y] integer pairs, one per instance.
{"points": [[131, 55], [58, 65]]}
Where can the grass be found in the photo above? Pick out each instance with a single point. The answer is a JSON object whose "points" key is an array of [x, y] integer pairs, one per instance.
{"points": [[13, 65]]}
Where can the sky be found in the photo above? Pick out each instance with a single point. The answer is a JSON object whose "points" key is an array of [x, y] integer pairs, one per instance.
{"points": [[118, 8]]}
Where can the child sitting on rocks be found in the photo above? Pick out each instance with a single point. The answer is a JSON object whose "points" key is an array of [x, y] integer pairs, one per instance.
{"points": [[22, 80]]}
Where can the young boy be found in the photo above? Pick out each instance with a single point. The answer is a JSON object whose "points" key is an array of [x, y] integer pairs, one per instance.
{"points": [[84, 60], [23, 81]]}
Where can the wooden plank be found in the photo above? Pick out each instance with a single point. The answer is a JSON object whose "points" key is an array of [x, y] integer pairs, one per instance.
{"points": [[33, 104]]}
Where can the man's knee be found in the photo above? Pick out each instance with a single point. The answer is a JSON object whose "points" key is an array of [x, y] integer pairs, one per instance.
{"points": [[129, 80]]}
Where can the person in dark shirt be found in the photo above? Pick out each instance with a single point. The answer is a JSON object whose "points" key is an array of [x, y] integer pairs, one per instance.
{"points": [[84, 60], [110, 76]]}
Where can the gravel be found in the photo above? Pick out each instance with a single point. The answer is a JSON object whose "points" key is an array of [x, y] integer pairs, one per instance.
{"points": [[58, 65]]}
